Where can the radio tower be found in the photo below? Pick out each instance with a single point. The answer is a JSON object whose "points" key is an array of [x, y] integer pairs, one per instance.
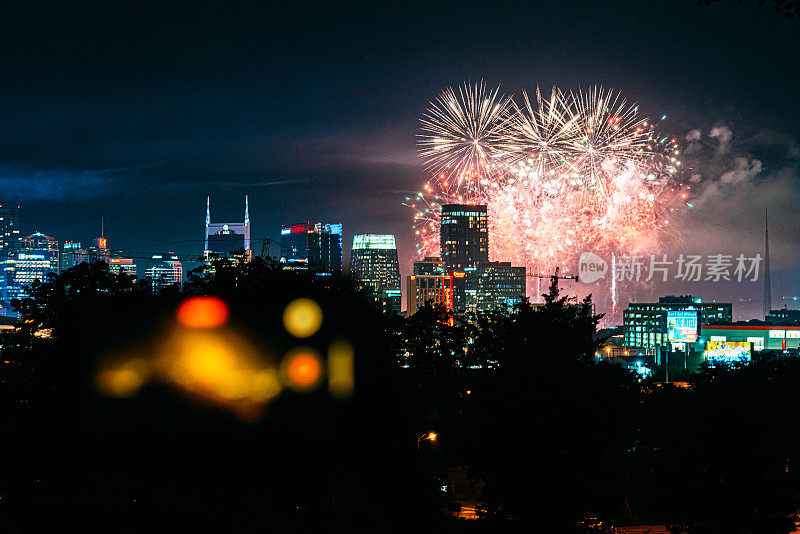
{"points": [[767, 288]]}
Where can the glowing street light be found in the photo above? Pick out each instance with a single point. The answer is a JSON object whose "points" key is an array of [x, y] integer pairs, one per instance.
{"points": [[429, 436]]}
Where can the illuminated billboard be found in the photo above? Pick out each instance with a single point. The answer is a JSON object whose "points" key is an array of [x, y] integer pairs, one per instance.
{"points": [[682, 326], [728, 351]]}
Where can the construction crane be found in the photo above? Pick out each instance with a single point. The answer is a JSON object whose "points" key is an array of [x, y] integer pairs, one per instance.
{"points": [[550, 276], [266, 244], [554, 275]]}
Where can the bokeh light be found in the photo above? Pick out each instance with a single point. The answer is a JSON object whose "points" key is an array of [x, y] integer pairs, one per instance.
{"points": [[302, 317], [123, 379], [301, 369], [203, 312], [340, 368]]}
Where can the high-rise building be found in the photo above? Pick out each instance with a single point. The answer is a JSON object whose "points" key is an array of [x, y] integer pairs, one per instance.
{"points": [[72, 254], [164, 270], [464, 236], [98, 250], [493, 285], [423, 289], [9, 242], [373, 262], [313, 247], [670, 320], [430, 266], [36, 257], [375, 269], [223, 239]]}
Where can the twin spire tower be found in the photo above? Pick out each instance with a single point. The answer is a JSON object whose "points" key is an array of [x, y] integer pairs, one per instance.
{"points": [[222, 239]]}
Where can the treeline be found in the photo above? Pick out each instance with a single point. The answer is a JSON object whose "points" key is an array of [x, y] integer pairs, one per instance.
{"points": [[515, 396]]}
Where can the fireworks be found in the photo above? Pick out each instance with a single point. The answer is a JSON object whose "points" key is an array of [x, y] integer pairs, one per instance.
{"points": [[560, 174], [461, 133]]}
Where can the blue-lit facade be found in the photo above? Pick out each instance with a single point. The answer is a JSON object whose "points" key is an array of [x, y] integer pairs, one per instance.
{"points": [[36, 257], [311, 247], [494, 285], [9, 243]]}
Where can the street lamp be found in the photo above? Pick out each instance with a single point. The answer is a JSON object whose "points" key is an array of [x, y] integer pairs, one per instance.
{"points": [[429, 436]]}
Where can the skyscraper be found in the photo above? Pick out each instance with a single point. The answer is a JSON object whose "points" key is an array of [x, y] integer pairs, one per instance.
{"points": [[430, 266], [164, 270], [222, 239], [36, 257], [313, 247], [72, 254], [9, 242], [373, 262], [464, 236], [495, 284], [375, 269]]}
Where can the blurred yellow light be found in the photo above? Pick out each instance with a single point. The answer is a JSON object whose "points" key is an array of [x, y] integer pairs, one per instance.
{"points": [[203, 312], [432, 436], [123, 380], [302, 369], [340, 368], [302, 317], [266, 385]]}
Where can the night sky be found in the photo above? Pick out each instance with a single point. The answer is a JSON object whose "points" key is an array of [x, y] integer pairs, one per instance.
{"points": [[138, 113]]}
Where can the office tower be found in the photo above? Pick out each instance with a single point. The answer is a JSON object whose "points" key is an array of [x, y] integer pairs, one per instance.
{"points": [[430, 266], [36, 257], [373, 262], [670, 320], [464, 236], [9, 241], [164, 270], [493, 285], [98, 250], [310, 247], [375, 270], [223, 239], [72, 254], [425, 289]]}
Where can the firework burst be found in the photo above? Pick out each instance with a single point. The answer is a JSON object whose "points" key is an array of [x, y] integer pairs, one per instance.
{"points": [[559, 174], [461, 134]]}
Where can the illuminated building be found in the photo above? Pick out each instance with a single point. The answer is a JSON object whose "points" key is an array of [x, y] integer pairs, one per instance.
{"points": [[650, 325], [375, 269], [36, 257], [373, 262], [72, 254], [164, 270], [760, 336], [310, 247], [9, 241], [222, 239], [122, 265], [431, 266], [464, 236], [493, 285], [423, 289]]}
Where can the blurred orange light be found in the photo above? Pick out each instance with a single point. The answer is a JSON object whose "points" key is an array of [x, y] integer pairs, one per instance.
{"points": [[203, 312], [432, 436], [302, 370]]}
